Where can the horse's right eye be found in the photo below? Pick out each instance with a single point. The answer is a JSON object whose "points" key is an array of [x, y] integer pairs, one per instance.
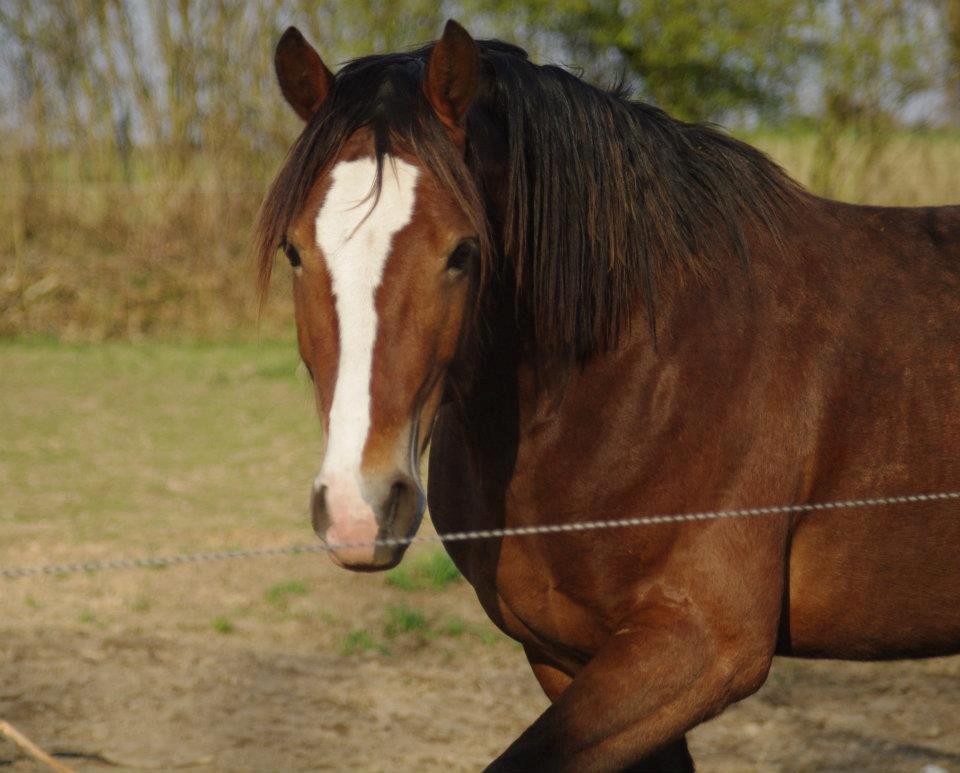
{"points": [[292, 255]]}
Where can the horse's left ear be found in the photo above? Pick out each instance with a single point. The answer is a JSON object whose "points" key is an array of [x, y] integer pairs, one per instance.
{"points": [[453, 74]]}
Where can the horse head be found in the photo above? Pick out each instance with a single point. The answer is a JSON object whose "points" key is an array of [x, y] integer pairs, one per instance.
{"points": [[385, 230]]}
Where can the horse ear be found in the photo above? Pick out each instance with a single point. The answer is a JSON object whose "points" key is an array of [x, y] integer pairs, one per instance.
{"points": [[453, 74], [304, 79]]}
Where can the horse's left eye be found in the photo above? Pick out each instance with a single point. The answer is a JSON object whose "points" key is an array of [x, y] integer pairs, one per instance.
{"points": [[292, 255], [462, 255]]}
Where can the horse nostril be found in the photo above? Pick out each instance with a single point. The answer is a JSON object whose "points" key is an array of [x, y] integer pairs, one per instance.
{"points": [[398, 492], [319, 515]]}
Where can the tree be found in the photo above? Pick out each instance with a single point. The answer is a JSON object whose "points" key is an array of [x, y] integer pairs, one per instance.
{"points": [[870, 58], [698, 61]]}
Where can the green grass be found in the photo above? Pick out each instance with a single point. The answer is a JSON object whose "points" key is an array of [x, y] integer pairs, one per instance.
{"points": [[453, 627], [401, 619], [490, 635], [405, 626], [456, 628], [223, 624], [279, 594], [151, 443], [432, 570], [360, 640]]}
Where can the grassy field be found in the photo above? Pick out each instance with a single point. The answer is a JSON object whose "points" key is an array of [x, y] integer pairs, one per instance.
{"points": [[194, 441], [128, 449]]}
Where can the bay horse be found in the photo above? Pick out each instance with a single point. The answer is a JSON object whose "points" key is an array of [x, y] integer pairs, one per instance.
{"points": [[588, 309]]}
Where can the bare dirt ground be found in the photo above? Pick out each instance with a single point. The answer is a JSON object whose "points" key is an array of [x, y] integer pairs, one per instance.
{"points": [[217, 674], [289, 663]]}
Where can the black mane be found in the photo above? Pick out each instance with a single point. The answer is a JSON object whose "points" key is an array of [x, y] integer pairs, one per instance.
{"points": [[604, 196]]}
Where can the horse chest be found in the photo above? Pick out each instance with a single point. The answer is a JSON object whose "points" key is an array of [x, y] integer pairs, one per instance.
{"points": [[537, 605], [549, 591]]}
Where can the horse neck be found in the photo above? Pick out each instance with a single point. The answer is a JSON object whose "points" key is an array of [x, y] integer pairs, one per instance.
{"points": [[710, 324]]}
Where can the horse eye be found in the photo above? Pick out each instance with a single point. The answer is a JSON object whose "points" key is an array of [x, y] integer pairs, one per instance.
{"points": [[292, 255], [462, 255]]}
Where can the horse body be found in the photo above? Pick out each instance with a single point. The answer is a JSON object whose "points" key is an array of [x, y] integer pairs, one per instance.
{"points": [[824, 366], [843, 359], [822, 380]]}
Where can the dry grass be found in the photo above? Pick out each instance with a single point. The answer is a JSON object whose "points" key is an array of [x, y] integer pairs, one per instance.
{"points": [[155, 257], [108, 260], [907, 170]]}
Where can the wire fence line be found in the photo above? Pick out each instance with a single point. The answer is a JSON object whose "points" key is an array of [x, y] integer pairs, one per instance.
{"points": [[157, 562]]}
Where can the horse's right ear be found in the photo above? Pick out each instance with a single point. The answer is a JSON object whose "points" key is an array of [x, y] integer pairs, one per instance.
{"points": [[304, 79]]}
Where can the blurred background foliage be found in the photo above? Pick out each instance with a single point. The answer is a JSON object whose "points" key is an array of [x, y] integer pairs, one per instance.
{"points": [[137, 136]]}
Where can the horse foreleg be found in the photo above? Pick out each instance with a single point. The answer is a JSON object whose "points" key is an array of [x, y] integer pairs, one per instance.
{"points": [[633, 702], [674, 758]]}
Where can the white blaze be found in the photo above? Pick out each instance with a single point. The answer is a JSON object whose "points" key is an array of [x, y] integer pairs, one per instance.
{"points": [[355, 240]]}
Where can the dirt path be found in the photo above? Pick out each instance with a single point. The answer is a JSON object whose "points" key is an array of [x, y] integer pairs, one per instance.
{"points": [[292, 685]]}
